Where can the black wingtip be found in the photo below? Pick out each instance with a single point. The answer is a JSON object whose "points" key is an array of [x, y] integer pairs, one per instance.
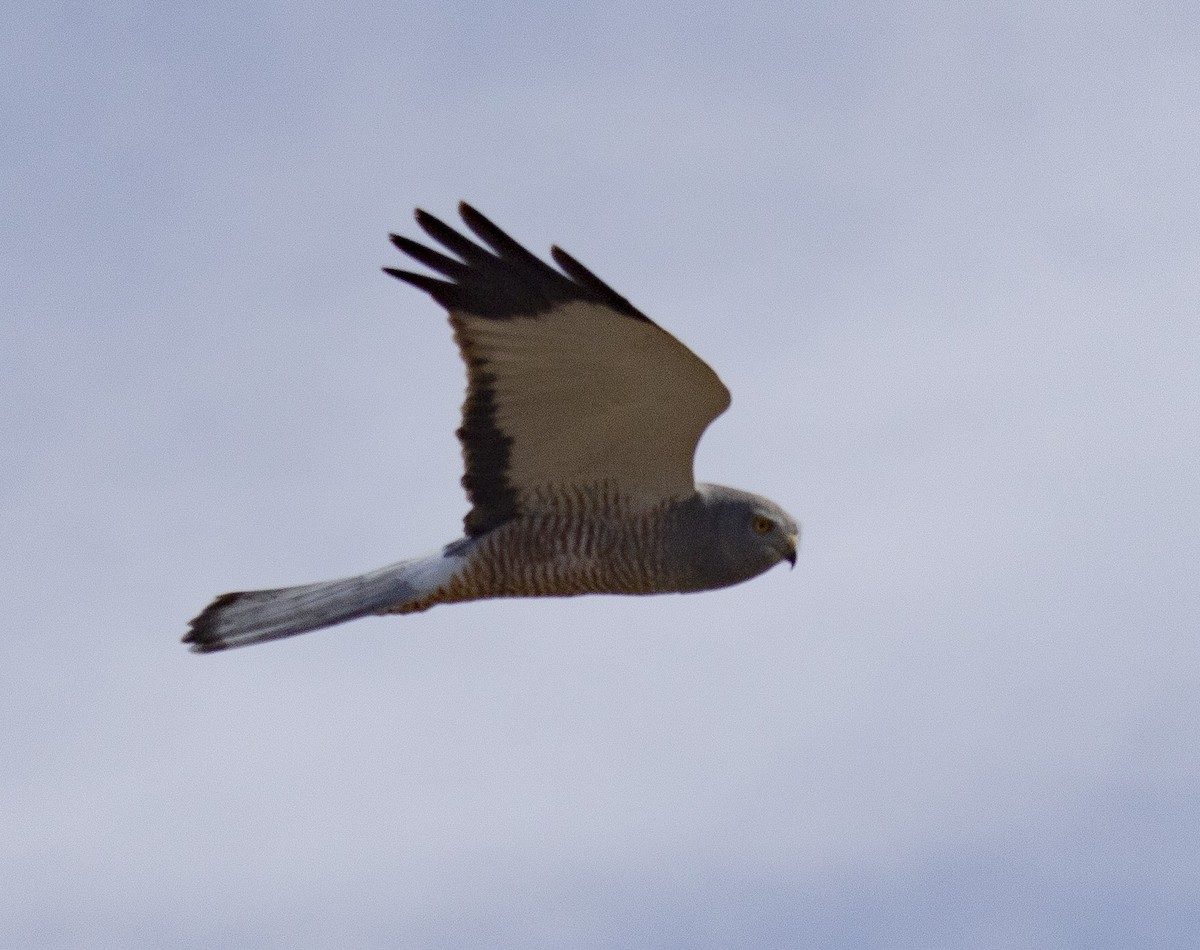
{"points": [[431, 224], [470, 214], [208, 647], [202, 635], [494, 276], [500, 241], [585, 278], [444, 292]]}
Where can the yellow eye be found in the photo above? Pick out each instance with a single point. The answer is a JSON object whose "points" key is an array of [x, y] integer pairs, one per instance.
{"points": [[763, 525]]}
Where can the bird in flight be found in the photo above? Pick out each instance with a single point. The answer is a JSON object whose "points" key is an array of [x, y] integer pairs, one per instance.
{"points": [[578, 433]]}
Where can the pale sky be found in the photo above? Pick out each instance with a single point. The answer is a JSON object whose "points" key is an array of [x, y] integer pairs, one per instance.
{"points": [[947, 261]]}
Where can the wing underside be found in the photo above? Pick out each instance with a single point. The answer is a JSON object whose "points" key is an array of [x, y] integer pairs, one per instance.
{"points": [[569, 385]]}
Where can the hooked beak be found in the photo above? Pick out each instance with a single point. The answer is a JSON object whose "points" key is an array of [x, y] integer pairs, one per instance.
{"points": [[790, 553]]}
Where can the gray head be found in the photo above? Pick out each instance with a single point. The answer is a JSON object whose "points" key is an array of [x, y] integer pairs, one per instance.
{"points": [[725, 536]]}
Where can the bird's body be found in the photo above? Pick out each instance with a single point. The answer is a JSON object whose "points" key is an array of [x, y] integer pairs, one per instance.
{"points": [[581, 420], [587, 541]]}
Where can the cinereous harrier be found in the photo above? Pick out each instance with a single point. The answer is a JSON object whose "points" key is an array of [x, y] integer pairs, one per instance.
{"points": [[579, 428]]}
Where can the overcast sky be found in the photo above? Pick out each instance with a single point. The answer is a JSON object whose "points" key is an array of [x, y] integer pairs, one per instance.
{"points": [[947, 261]]}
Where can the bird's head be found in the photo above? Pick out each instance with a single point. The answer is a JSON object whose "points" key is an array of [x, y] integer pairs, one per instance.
{"points": [[745, 534]]}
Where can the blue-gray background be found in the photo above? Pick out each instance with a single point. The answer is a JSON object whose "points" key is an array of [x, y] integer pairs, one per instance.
{"points": [[945, 256]]}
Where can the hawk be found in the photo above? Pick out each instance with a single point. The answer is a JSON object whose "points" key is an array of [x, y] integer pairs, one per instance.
{"points": [[578, 433]]}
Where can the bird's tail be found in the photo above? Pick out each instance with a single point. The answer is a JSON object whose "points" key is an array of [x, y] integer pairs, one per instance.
{"points": [[245, 617]]}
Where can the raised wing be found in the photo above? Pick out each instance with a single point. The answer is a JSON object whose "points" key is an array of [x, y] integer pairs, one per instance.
{"points": [[568, 384]]}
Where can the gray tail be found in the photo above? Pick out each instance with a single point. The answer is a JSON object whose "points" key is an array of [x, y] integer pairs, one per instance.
{"points": [[255, 616]]}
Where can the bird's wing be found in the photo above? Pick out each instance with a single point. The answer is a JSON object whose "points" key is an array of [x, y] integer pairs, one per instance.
{"points": [[568, 384]]}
